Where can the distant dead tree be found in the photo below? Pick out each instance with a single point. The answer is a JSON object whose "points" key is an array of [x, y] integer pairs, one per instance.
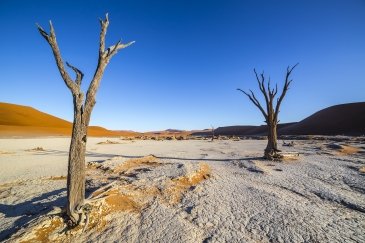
{"points": [[270, 114], [83, 107], [212, 132]]}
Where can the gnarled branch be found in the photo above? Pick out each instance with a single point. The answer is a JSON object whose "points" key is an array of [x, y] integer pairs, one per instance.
{"points": [[112, 50], [79, 74], [51, 39], [254, 100], [285, 89], [104, 58], [261, 83], [104, 26]]}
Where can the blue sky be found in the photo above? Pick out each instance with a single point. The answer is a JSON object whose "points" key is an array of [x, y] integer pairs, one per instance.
{"points": [[188, 59]]}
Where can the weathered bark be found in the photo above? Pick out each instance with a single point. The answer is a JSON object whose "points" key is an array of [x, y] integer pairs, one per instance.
{"points": [[82, 113], [272, 144], [271, 113], [76, 166]]}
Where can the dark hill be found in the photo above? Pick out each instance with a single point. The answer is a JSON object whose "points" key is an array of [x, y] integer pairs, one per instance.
{"points": [[345, 119]]}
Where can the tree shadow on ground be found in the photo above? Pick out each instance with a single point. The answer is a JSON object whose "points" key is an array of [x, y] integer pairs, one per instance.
{"points": [[31, 209], [65, 153], [101, 155]]}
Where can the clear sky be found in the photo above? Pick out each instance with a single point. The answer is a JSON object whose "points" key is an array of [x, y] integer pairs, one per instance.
{"points": [[188, 59]]}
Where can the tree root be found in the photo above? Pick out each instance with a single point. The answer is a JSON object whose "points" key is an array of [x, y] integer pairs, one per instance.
{"points": [[278, 155]]}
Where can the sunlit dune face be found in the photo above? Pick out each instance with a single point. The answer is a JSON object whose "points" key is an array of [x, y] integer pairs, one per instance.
{"points": [[17, 120]]}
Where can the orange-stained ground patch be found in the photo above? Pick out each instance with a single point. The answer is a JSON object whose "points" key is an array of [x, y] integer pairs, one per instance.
{"points": [[137, 162], [117, 201], [43, 232], [112, 201], [182, 184], [5, 152], [346, 150]]}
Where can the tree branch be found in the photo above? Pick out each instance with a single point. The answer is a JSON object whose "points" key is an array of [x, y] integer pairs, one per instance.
{"points": [[254, 101], [104, 58], [104, 26], [51, 39], [285, 89], [112, 50], [262, 87], [79, 74]]}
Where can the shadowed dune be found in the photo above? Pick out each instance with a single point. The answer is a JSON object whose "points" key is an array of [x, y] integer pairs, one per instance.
{"points": [[18, 120], [344, 119]]}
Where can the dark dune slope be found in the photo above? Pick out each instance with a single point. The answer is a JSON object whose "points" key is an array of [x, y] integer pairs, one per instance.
{"points": [[345, 119]]}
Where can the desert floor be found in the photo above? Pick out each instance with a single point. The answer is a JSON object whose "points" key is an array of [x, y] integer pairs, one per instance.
{"points": [[318, 198]]}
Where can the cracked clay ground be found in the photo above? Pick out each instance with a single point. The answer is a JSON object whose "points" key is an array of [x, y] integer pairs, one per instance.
{"points": [[318, 198]]}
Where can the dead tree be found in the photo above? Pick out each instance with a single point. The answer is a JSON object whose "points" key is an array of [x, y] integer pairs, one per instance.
{"points": [[212, 133], [83, 106], [272, 110]]}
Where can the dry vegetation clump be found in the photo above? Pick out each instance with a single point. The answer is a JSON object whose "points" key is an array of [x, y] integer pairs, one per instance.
{"points": [[56, 178], [36, 149], [109, 142]]}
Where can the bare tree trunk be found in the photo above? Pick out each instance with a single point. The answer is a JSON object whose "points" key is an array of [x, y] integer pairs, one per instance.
{"points": [[82, 113], [272, 144], [76, 165]]}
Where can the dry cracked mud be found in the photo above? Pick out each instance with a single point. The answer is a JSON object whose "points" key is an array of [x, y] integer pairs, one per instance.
{"points": [[198, 191]]}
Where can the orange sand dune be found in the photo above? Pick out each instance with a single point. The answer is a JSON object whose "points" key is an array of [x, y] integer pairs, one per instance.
{"points": [[18, 120]]}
